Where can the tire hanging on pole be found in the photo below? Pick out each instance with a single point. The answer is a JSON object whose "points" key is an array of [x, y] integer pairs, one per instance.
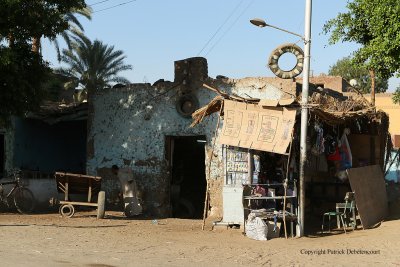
{"points": [[278, 52]]}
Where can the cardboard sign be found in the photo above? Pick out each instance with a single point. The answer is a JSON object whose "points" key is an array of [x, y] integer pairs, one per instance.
{"points": [[252, 126]]}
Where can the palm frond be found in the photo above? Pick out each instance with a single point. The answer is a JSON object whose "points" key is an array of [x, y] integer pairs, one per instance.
{"points": [[95, 64], [75, 28], [86, 12]]}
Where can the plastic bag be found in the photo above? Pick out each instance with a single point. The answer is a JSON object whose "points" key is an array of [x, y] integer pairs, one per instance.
{"points": [[256, 228], [346, 159]]}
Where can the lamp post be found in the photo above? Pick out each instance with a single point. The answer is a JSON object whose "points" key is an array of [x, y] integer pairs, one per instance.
{"points": [[304, 105]]}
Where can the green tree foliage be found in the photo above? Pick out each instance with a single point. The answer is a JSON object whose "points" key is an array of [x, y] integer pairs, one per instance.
{"points": [[53, 86], [396, 95], [347, 69], [93, 65], [23, 72], [376, 26], [21, 76], [24, 19]]}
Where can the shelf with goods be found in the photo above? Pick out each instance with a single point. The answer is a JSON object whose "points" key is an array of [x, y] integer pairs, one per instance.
{"points": [[237, 164], [271, 207], [272, 193]]}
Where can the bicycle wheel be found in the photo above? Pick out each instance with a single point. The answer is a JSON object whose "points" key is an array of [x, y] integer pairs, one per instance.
{"points": [[24, 200]]}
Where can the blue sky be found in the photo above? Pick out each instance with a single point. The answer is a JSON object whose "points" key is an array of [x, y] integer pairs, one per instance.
{"points": [[154, 33]]}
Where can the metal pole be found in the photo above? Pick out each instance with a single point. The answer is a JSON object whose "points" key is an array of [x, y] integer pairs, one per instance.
{"points": [[272, 26], [304, 115]]}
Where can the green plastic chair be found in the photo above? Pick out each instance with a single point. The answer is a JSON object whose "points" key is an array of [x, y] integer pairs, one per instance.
{"points": [[349, 205]]}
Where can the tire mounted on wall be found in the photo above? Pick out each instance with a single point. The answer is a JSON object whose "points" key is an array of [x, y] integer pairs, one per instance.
{"points": [[187, 104], [278, 52]]}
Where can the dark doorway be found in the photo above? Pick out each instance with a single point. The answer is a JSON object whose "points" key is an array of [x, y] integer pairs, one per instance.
{"points": [[2, 154], [186, 157]]}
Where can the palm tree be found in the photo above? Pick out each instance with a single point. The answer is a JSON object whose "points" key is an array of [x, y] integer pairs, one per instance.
{"points": [[74, 31], [75, 28], [93, 65]]}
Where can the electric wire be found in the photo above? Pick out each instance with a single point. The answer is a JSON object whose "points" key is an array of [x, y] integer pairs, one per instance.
{"points": [[230, 27], [220, 27], [111, 7], [100, 2]]}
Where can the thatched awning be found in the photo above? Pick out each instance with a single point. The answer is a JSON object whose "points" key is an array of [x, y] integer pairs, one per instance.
{"points": [[330, 108], [215, 105], [54, 112]]}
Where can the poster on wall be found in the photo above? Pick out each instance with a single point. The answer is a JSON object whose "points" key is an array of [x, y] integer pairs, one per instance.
{"points": [[256, 127]]}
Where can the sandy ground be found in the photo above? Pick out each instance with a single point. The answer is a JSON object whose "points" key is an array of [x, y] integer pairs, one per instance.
{"points": [[49, 240]]}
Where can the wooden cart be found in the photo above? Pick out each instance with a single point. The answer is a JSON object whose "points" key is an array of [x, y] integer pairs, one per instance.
{"points": [[71, 183]]}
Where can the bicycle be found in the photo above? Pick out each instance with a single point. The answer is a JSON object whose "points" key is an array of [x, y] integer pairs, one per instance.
{"points": [[22, 197]]}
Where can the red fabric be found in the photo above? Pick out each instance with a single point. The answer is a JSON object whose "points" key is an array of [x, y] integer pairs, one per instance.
{"points": [[335, 156]]}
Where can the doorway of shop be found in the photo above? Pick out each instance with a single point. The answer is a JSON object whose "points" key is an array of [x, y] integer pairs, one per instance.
{"points": [[186, 159]]}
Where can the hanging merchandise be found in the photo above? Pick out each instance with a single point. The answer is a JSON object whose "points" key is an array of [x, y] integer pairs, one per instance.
{"points": [[332, 154], [308, 142], [346, 159], [331, 148], [256, 172], [339, 154], [358, 126], [256, 159], [318, 148]]}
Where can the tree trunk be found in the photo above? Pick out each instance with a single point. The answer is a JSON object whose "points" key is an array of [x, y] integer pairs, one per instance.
{"points": [[89, 134], [36, 44], [11, 40], [372, 74]]}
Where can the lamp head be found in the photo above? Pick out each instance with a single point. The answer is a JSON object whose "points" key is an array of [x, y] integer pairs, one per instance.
{"points": [[259, 23], [353, 82]]}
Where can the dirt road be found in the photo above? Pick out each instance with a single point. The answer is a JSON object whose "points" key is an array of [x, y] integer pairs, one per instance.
{"points": [[49, 240]]}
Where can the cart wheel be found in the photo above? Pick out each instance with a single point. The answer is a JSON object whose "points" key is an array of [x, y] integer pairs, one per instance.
{"points": [[67, 210], [101, 201]]}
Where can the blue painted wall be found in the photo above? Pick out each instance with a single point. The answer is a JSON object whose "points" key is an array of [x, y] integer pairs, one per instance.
{"points": [[50, 148]]}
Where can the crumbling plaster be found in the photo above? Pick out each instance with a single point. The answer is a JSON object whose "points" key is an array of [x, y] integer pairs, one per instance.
{"points": [[130, 125], [129, 129]]}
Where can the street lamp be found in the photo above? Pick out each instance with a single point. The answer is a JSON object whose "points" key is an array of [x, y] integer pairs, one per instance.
{"points": [[304, 104], [353, 82], [261, 23]]}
